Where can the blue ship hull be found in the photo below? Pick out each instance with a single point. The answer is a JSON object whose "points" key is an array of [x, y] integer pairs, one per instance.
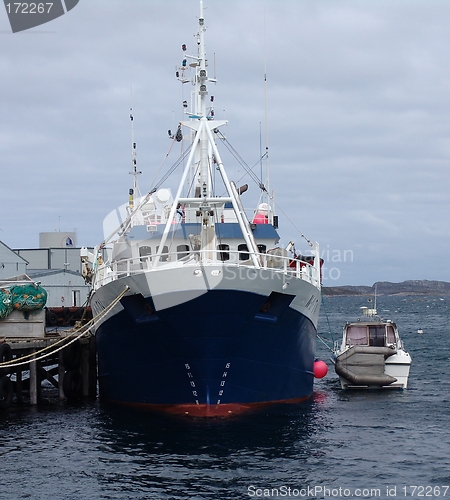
{"points": [[223, 349]]}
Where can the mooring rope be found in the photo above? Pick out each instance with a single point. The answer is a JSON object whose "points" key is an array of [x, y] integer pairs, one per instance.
{"points": [[83, 329], [325, 342]]}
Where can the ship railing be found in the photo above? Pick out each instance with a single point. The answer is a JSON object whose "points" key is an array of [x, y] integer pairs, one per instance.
{"points": [[276, 264], [337, 346]]}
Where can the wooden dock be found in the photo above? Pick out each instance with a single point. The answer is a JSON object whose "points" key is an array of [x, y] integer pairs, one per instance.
{"points": [[64, 357]]}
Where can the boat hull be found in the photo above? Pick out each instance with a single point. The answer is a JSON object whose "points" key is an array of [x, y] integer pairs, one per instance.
{"points": [[222, 352], [398, 366]]}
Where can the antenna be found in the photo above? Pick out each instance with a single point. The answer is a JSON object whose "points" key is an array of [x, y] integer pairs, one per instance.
{"points": [[266, 153], [134, 172], [260, 153]]}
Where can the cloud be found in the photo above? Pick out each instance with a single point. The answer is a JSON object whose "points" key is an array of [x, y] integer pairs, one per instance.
{"points": [[357, 105]]}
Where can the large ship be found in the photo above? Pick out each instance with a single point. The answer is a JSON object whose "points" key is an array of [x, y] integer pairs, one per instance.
{"points": [[199, 310]]}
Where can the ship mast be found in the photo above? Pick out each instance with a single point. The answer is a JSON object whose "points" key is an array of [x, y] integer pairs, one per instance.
{"points": [[201, 92], [203, 155], [134, 191]]}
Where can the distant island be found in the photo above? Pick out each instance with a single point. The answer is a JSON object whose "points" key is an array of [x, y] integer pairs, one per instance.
{"points": [[412, 287]]}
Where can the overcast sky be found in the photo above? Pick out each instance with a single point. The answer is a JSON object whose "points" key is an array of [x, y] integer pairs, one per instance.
{"points": [[358, 110]]}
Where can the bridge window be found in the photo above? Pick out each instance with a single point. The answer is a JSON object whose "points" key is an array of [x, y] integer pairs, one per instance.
{"points": [[182, 251], [165, 252], [243, 252], [145, 253], [224, 251]]}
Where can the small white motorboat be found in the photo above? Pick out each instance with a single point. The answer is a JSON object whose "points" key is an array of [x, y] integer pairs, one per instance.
{"points": [[371, 354]]}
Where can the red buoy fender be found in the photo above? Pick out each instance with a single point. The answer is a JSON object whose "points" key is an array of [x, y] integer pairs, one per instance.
{"points": [[320, 369]]}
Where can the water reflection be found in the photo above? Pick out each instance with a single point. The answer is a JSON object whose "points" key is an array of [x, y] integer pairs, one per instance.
{"points": [[180, 457], [278, 430]]}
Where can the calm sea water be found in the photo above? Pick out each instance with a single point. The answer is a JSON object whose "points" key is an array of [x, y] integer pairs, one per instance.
{"points": [[371, 444]]}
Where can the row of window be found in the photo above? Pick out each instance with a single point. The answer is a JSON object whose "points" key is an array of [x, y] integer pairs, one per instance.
{"points": [[224, 251], [145, 252]]}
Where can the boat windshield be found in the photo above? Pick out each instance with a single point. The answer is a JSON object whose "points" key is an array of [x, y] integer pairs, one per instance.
{"points": [[357, 335], [377, 335], [372, 335], [390, 334]]}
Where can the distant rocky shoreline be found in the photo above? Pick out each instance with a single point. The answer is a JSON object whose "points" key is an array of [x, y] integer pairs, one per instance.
{"points": [[412, 287]]}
